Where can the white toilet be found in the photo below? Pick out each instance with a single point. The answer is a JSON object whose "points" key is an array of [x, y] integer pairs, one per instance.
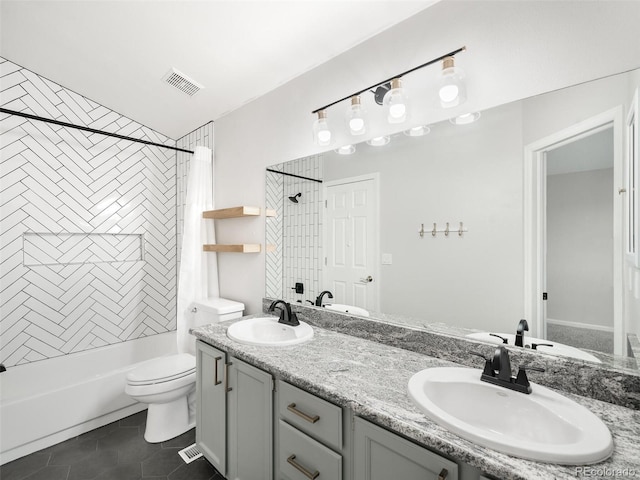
{"points": [[168, 383]]}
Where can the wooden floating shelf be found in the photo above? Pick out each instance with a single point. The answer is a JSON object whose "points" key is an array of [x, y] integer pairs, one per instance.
{"points": [[241, 248], [233, 212], [270, 212]]}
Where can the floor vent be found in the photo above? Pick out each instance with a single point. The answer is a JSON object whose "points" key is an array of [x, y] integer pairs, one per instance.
{"points": [[183, 83], [190, 453]]}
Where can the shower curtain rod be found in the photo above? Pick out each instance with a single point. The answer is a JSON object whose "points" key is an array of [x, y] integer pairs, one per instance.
{"points": [[292, 175], [91, 130]]}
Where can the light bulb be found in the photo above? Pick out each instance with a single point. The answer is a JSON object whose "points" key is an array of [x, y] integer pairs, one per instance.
{"points": [[324, 137], [448, 93], [356, 125], [396, 102], [452, 91], [356, 117], [398, 110], [321, 132]]}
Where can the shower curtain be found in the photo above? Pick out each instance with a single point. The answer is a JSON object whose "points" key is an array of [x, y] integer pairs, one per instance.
{"points": [[198, 276]]}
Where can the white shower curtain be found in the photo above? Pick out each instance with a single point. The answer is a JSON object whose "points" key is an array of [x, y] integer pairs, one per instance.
{"points": [[198, 277]]}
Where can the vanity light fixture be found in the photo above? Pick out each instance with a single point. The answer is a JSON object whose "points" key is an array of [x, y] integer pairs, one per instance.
{"points": [[392, 96], [321, 132], [346, 150], [465, 118], [356, 117], [396, 102], [417, 131], [452, 91], [379, 141]]}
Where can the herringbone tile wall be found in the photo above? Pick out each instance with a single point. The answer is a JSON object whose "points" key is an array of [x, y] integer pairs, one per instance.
{"points": [[88, 225], [296, 232], [273, 270]]}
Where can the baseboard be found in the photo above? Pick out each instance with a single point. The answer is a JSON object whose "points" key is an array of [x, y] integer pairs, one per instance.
{"points": [[588, 326]]}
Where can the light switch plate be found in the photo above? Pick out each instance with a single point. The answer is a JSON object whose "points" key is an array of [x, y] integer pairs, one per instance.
{"points": [[387, 259]]}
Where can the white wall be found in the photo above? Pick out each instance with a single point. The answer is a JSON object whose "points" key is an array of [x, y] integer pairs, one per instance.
{"points": [[580, 247], [515, 50]]}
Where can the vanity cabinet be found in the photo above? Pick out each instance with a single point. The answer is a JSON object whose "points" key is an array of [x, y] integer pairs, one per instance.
{"points": [[234, 418], [382, 455], [248, 432], [310, 440]]}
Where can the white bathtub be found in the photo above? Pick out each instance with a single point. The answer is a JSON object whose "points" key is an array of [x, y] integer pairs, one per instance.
{"points": [[43, 403]]}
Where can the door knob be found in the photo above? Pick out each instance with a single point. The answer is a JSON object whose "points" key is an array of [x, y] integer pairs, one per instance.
{"points": [[369, 279]]}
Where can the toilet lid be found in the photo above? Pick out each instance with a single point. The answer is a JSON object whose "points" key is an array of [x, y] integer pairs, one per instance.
{"points": [[163, 369]]}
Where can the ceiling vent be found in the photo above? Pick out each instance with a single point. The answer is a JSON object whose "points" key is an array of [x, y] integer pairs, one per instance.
{"points": [[183, 83]]}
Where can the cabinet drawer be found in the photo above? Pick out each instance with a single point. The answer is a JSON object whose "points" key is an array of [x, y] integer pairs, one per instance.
{"points": [[301, 457], [314, 416]]}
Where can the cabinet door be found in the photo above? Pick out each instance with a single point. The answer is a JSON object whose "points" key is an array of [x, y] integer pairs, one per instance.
{"points": [[211, 405], [249, 422], [381, 455]]}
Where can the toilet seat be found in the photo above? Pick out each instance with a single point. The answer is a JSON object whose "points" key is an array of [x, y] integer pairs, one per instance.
{"points": [[163, 369]]}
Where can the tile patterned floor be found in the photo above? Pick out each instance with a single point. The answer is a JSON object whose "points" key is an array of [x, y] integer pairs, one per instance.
{"points": [[114, 452]]}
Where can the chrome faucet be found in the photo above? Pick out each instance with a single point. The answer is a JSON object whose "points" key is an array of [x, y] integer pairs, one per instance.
{"points": [[319, 297], [287, 317], [497, 370], [523, 326]]}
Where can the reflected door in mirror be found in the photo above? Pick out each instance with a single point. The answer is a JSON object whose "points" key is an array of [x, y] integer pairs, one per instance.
{"points": [[351, 242]]}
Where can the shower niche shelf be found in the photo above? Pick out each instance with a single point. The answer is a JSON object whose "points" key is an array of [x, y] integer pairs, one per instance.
{"points": [[235, 212]]}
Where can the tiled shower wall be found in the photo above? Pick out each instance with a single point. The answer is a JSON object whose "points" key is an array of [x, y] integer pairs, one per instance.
{"points": [[88, 222], [296, 231]]}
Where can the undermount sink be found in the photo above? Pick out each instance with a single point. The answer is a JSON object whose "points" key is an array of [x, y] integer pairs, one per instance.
{"points": [[339, 307], [543, 425], [268, 332], [558, 349]]}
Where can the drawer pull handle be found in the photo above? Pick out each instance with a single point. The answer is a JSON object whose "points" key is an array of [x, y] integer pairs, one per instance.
{"points": [[444, 473], [308, 418], [311, 475], [215, 367], [227, 388]]}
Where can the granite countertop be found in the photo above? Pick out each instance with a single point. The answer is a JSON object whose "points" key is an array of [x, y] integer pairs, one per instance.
{"points": [[371, 379]]}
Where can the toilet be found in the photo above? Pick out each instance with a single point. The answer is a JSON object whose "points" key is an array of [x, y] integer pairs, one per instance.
{"points": [[168, 384]]}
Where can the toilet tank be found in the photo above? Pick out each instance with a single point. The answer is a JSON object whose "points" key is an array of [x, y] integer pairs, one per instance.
{"points": [[214, 310]]}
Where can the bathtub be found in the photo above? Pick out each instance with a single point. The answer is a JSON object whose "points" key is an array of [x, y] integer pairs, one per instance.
{"points": [[43, 403]]}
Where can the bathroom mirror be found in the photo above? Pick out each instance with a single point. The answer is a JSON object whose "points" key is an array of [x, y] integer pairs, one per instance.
{"points": [[437, 224]]}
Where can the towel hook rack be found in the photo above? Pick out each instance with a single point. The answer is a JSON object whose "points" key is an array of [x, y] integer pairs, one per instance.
{"points": [[446, 230]]}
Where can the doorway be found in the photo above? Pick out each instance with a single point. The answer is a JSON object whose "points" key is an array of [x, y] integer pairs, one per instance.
{"points": [[351, 241], [578, 247], [573, 233]]}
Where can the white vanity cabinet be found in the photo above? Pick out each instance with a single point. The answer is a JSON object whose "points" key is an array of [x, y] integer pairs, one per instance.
{"points": [[310, 437], [382, 455], [234, 418]]}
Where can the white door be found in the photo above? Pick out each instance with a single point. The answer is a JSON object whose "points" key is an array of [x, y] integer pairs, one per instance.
{"points": [[351, 240]]}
